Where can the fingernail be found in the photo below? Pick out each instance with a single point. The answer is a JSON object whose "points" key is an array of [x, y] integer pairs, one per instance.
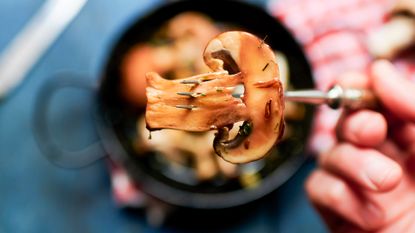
{"points": [[381, 175], [358, 123]]}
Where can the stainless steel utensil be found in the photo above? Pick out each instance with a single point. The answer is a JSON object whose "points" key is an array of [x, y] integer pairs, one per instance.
{"points": [[335, 98]]}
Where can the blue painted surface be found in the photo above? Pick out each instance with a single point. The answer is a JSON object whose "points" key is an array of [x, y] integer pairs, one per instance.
{"points": [[36, 196]]}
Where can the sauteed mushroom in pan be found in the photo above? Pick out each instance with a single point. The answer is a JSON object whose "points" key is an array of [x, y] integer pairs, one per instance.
{"points": [[176, 52]]}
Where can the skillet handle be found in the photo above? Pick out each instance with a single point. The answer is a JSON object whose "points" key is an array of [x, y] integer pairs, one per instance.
{"points": [[54, 153]]}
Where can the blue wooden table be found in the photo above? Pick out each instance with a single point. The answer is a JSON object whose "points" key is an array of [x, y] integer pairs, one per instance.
{"points": [[36, 196]]}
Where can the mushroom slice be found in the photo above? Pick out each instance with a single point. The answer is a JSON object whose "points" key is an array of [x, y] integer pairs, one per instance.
{"points": [[208, 102]]}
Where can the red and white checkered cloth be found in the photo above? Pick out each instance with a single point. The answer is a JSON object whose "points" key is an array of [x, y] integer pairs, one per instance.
{"points": [[333, 34]]}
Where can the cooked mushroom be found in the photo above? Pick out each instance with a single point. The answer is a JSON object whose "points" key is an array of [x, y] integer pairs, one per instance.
{"points": [[208, 102]]}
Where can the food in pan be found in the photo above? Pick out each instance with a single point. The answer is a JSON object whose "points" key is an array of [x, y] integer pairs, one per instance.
{"points": [[175, 51], [181, 148], [206, 102]]}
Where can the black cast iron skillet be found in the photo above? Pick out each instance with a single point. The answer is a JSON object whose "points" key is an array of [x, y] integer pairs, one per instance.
{"points": [[116, 119]]}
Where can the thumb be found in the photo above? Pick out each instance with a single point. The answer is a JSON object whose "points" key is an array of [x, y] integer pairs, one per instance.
{"points": [[395, 92]]}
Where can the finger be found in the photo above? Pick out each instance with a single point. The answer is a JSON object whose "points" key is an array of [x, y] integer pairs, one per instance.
{"points": [[333, 193], [396, 93], [367, 168], [353, 79], [363, 128]]}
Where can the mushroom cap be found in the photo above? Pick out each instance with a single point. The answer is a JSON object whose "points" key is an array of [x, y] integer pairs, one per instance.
{"points": [[263, 95]]}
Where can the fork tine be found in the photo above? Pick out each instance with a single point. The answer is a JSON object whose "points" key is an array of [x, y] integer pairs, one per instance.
{"points": [[198, 79], [188, 107], [191, 94], [190, 81]]}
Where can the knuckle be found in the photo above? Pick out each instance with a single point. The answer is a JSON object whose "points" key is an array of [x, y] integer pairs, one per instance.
{"points": [[335, 156]]}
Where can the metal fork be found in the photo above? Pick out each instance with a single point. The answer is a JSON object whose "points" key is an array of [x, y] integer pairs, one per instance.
{"points": [[336, 97]]}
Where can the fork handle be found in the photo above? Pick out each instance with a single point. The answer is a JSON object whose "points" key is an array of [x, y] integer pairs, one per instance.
{"points": [[336, 97]]}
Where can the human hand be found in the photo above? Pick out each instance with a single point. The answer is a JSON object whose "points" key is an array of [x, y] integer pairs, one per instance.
{"points": [[366, 182]]}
